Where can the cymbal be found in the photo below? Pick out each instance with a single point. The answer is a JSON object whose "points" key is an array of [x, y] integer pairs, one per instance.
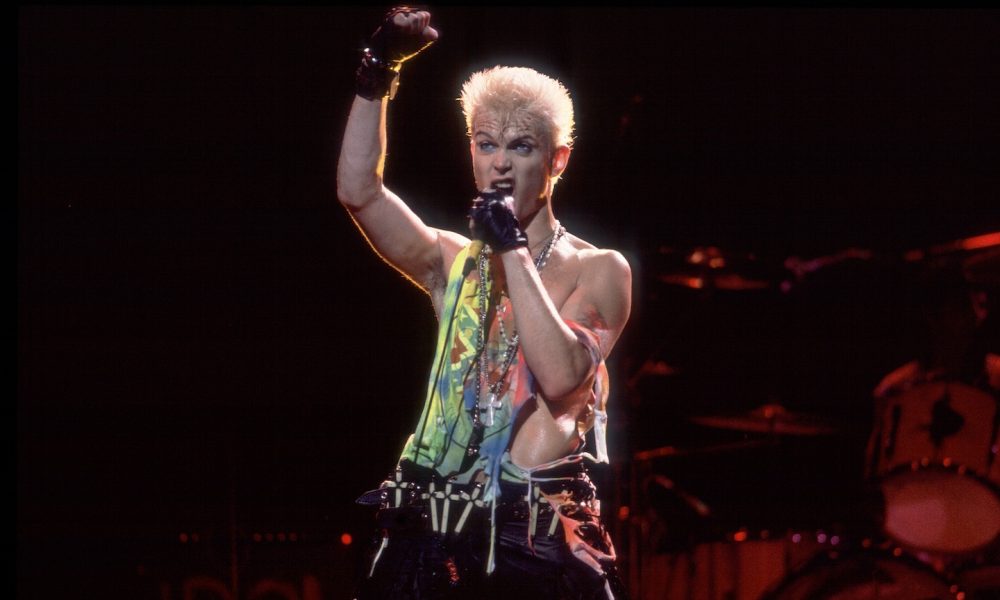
{"points": [[709, 267], [769, 418]]}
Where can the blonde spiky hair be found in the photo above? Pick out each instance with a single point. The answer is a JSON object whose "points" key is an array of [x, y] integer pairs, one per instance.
{"points": [[511, 91]]}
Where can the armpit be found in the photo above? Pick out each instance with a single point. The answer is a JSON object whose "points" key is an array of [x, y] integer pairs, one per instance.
{"points": [[588, 339]]}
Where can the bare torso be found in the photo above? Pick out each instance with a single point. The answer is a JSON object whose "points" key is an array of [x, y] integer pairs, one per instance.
{"points": [[546, 431]]}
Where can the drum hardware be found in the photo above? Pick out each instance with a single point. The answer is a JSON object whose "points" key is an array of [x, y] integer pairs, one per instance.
{"points": [[934, 465], [693, 502], [710, 268], [771, 419]]}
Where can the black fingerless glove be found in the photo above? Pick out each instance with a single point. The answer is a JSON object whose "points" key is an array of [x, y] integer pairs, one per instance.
{"points": [[388, 48], [493, 222]]}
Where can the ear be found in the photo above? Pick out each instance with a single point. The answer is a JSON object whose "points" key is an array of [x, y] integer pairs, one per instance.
{"points": [[560, 158]]}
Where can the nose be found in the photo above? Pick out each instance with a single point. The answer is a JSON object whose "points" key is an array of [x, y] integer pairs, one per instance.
{"points": [[501, 162]]}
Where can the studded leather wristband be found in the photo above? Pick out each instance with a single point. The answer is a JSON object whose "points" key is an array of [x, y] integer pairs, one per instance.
{"points": [[375, 79]]}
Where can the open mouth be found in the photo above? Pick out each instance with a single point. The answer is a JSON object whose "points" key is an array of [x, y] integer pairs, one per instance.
{"points": [[504, 186]]}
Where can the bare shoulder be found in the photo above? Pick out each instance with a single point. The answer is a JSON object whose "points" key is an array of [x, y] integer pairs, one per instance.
{"points": [[601, 295], [605, 264]]}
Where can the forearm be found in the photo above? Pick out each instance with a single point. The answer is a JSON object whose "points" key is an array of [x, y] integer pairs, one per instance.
{"points": [[362, 154], [402, 35], [558, 360]]}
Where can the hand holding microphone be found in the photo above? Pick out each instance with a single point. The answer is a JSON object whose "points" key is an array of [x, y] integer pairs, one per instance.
{"points": [[492, 222]]}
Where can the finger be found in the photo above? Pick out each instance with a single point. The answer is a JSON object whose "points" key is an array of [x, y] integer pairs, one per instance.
{"points": [[429, 33], [400, 19], [407, 22]]}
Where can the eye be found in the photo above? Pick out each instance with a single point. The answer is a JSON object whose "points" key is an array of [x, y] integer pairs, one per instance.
{"points": [[523, 148], [485, 146]]}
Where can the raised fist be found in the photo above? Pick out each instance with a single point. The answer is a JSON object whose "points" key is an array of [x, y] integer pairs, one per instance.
{"points": [[402, 35]]}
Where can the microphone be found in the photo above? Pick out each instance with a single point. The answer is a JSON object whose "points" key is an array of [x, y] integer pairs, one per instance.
{"points": [[476, 247]]}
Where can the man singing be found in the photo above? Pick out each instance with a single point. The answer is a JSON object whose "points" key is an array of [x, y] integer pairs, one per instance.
{"points": [[490, 497]]}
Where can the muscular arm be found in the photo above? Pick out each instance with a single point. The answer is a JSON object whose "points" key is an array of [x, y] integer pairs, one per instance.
{"points": [[601, 303], [395, 232]]}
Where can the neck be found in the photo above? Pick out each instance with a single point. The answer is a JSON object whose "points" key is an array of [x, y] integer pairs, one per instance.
{"points": [[540, 228]]}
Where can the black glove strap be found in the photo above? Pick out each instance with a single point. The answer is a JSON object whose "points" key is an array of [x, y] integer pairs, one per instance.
{"points": [[374, 79], [378, 75]]}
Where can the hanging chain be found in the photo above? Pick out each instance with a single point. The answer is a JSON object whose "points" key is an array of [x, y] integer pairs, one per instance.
{"points": [[510, 351]]}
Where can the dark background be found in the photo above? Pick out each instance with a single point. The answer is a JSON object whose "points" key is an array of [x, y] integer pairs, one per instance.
{"points": [[207, 347]]}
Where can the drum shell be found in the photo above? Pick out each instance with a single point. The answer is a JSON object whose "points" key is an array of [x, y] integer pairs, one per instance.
{"points": [[933, 455], [905, 431]]}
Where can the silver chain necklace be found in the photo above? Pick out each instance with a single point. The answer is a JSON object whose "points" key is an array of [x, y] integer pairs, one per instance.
{"points": [[494, 389]]}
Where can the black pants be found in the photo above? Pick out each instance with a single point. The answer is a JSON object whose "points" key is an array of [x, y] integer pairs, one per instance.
{"points": [[418, 564]]}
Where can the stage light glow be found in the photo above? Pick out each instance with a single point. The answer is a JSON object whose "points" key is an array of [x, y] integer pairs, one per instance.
{"points": [[981, 241]]}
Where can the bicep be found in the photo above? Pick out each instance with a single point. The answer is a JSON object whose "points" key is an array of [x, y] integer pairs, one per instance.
{"points": [[403, 240], [602, 300]]}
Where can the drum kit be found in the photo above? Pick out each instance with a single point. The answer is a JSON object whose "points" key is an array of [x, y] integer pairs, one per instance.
{"points": [[927, 520]]}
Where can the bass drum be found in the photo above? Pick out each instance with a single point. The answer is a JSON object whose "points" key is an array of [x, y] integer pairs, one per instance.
{"points": [[935, 456], [864, 575]]}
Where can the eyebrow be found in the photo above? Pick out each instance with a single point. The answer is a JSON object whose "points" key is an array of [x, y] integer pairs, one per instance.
{"points": [[526, 137]]}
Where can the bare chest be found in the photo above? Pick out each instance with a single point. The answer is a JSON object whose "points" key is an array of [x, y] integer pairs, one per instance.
{"points": [[560, 279]]}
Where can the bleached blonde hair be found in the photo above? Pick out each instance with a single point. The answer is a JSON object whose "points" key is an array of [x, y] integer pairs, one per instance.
{"points": [[521, 92]]}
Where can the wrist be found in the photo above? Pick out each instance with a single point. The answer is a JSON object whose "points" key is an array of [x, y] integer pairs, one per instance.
{"points": [[512, 245], [376, 78]]}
